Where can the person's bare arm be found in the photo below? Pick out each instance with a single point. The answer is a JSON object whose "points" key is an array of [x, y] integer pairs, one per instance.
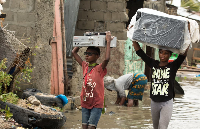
{"points": [[107, 58], [122, 101], [76, 56], [136, 46]]}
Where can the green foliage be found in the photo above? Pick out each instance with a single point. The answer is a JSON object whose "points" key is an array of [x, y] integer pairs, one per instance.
{"points": [[25, 75], [4, 77], [7, 112], [193, 5], [103, 109], [9, 97], [5, 80]]}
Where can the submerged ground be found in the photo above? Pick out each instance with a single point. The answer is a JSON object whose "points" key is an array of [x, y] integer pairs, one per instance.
{"points": [[185, 113]]}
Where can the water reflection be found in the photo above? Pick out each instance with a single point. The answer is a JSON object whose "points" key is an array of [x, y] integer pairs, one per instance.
{"points": [[186, 113]]}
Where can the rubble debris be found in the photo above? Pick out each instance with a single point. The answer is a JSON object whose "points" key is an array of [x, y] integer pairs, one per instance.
{"points": [[33, 100]]}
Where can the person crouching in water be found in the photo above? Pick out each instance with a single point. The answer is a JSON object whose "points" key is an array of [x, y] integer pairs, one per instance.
{"points": [[135, 83], [162, 84], [92, 94]]}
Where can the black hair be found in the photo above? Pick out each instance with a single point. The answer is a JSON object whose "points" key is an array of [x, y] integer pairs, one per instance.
{"points": [[95, 49], [167, 50]]}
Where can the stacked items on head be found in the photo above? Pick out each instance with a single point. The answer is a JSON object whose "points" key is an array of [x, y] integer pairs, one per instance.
{"points": [[163, 31]]}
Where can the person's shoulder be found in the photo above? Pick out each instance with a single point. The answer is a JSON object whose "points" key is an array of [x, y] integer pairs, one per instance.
{"points": [[156, 62], [84, 63], [99, 65]]}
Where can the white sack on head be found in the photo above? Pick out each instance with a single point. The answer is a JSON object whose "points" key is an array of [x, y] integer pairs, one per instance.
{"points": [[131, 27], [194, 31], [158, 29]]}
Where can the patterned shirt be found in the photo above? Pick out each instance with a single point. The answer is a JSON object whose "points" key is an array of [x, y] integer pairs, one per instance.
{"points": [[92, 94]]}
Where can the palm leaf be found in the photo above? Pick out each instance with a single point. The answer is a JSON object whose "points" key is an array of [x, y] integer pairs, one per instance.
{"points": [[193, 5]]}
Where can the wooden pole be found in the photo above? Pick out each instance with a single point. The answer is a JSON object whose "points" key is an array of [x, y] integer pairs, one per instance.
{"points": [[59, 47], [54, 64], [64, 48]]}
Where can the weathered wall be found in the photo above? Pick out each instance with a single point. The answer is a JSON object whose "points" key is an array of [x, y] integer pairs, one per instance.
{"points": [[44, 10], [33, 19], [133, 63], [102, 15], [156, 5]]}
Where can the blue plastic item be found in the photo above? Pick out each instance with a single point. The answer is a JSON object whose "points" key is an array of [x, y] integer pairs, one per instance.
{"points": [[198, 75], [63, 98]]}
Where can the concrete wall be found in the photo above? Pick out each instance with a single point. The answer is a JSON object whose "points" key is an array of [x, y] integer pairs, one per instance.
{"points": [[99, 16], [33, 19], [156, 5]]}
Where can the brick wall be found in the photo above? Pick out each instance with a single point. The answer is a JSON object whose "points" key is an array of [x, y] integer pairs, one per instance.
{"points": [[100, 16], [20, 17], [156, 5]]}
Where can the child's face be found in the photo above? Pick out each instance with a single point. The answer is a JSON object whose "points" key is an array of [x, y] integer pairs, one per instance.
{"points": [[91, 56], [164, 55]]}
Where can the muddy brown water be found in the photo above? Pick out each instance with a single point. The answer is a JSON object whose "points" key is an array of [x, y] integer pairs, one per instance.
{"points": [[186, 112]]}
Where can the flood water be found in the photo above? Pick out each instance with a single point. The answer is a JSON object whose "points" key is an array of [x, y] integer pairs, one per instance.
{"points": [[186, 112]]}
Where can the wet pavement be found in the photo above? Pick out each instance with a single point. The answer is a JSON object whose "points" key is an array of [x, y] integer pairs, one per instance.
{"points": [[186, 111]]}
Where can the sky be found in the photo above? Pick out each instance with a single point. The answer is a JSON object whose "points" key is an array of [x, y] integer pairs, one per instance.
{"points": [[176, 3]]}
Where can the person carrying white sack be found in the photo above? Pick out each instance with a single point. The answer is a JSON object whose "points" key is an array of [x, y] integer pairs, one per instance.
{"points": [[162, 84], [163, 31]]}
